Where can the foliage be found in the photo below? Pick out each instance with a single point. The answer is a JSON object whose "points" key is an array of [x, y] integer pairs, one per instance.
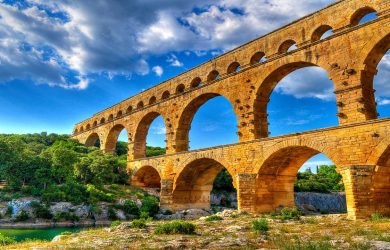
{"points": [[377, 217], [115, 223], [41, 211], [139, 223], [290, 213], [326, 180], [214, 218], [297, 243], [223, 182], [260, 225], [129, 207], [150, 205], [112, 214], [5, 240], [10, 211], [154, 151], [175, 227], [22, 216], [66, 216]]}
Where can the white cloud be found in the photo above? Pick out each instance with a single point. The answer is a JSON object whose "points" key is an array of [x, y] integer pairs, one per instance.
{"points": [[174, 61], [158, 70], [160, 130], [383, 102]]}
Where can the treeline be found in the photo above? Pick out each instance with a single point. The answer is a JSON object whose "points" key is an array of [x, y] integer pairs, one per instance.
{"points": [[326, 180]]}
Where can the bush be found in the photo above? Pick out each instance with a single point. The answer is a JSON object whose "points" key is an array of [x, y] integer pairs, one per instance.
{"points": [[260, 225], [130, 207], [214, 218], [96, 195], [175, 227], [112, 214], [23, 216], [10, 211], [5, 240], [140, 223], [150, 204], [290, 214], [115, 223], [41, 211]]}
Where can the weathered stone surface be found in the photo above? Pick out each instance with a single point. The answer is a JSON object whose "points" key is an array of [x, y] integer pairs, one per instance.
{"points": [[316, 202], [264, 169]]}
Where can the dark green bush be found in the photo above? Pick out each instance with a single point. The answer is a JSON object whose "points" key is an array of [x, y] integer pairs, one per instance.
{"points": [[41, 211], [260, 225], [175, 227], [66, 216], [22, 216], [150, 205], [111, 213], [140, 223], [10, 211], [324, 181], [130, 207], [290, 213], [214, 218]]}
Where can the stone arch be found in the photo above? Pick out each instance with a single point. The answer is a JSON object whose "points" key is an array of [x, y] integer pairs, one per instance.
{"points": [[180, 88], [95, 123], [196, 82], [129, 109], [213, 75], [75, 131], [110, 117], [112, 138], [257, 57], [102, 120], [165, 95], [152, 100], [119, 114], [265, 90], [277, 173], [194, 183], [140, 105], [139, 148], [81, 129], [88, 126], [146, 177], [233, 67], [285, 46], [186, 117], [91, 140], [319, 32], [359, 14]]}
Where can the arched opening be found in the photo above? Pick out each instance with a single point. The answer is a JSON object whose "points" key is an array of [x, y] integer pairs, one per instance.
{"points": [[376, 77], [119, 114], [151, 128], [75, 131], [213, 75], [146, 177], [292, 176], [193, 186], [287, 46], [322, 32], [93, 140], [258, 57], [117, 141], [180, 89], [197, 82], [202, 118], [95, 123], [88, 126], [81, 129], [129, 109], [152, 100], [102, 120], [233, 68], [363, 15], [111, 117], [306, 89], [165, 95], [140, 105]]}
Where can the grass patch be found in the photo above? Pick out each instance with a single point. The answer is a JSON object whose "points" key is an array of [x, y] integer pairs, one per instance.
{"points": [[5, 240], [296, 243], [287, 213], [140, 223], [115, 223], [260, 225], [377, 217], [214, 218], [175, 227]]}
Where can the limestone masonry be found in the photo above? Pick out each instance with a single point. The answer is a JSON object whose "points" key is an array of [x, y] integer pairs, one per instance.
{"points": [[264, 168]]}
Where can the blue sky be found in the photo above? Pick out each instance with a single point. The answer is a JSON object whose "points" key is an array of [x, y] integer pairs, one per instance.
{"points": [[62, 61]]}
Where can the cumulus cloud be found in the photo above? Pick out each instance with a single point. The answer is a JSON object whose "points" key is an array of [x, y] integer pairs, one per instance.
{"points": [[63, 43], [158, 70]]}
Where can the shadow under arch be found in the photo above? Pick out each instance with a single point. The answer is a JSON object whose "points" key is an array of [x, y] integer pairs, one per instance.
{"points": [[92, 140], [277, 174], [146, 177], [265, 90], [194, 183], [186, 117], [112, 138], [139, 147]]}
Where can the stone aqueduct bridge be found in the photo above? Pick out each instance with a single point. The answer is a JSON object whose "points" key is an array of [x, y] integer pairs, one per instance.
{"points": [[264, 168]]}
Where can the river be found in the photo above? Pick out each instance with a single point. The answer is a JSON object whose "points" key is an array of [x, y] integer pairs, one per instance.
{"points": [[41, 234]]}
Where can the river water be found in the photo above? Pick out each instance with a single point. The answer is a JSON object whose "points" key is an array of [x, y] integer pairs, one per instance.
{"points": [[41, 234]]}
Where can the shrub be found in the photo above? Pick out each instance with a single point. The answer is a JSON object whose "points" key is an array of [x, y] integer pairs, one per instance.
{"points": [[214, 218], [41, 211], [150, 204], [115, 223], [5, 240], [140, 223], [260, 225], [10, 211], [290, 213], [112, 214], [96, 195], [175, 227], [66, 216], [377, 217], [130, 207], [22, 216]]}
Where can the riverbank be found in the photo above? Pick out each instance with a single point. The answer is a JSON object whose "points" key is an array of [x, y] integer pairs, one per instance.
{"points": [[233, 230]]}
